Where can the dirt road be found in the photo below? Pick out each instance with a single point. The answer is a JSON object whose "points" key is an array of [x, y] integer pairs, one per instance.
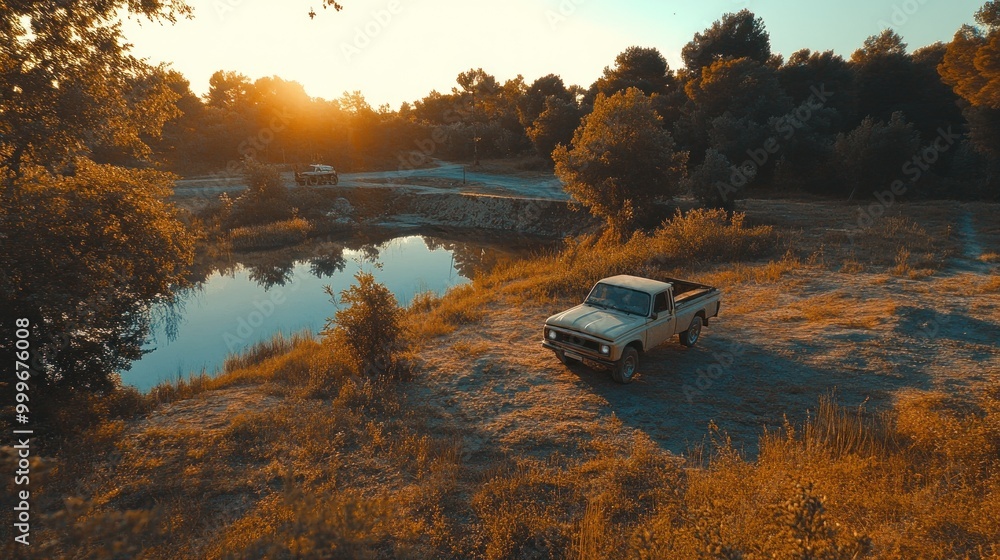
{"points": [[444, 177]]}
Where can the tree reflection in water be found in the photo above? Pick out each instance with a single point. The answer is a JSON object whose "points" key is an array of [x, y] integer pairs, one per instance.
{"points": [[269, 275], [326, 257], [325, 266]]}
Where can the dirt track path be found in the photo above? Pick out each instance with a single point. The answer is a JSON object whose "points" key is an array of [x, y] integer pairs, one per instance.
{"points": [[972, 249]]}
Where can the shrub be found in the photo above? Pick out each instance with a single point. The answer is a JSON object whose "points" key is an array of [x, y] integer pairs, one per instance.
{"points": [[369, 327], [712, 235], [870, 157], [695, 237], [265, 200], [711, 183]]}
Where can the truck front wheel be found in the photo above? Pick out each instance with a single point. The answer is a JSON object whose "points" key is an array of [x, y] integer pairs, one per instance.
{"points": [[626, 366]]}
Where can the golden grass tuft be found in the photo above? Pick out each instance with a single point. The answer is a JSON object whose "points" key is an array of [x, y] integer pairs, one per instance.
{"points": [[698, 237], [841, 309], [267, 236]]}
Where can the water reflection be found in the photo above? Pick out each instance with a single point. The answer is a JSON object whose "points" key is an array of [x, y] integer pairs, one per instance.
{"points": [[247, 301], [327, 265]]}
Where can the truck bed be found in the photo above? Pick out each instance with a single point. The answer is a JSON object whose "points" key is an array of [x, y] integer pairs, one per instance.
{"points": [[685, 291]]}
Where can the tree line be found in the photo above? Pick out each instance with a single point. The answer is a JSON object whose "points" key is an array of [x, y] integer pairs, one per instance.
{"points": [[746, 117]]}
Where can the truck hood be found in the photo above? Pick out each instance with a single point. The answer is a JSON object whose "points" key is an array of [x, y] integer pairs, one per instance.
{"points": [[597, 322]]}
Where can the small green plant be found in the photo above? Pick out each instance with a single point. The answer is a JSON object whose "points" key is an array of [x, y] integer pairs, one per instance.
{"points": [[369, 327]]}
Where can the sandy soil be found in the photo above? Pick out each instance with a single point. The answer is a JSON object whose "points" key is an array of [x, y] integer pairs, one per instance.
{"points": [[774, 350]]}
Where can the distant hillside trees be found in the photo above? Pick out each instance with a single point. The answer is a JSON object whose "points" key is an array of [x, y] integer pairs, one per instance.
{"points": [[734, 96], [554, 126]]}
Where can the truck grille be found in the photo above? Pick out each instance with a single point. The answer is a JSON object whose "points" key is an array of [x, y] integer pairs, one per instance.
{"points": [[573, 340]]}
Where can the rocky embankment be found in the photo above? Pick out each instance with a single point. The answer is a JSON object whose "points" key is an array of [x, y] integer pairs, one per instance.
{"points": [[534, 216]]}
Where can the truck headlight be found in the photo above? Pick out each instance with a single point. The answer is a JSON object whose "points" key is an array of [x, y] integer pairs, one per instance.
{"points": [[553, 335], [605, 349]]}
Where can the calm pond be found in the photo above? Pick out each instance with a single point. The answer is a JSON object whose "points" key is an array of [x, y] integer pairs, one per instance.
{"points": [[253, 300]]}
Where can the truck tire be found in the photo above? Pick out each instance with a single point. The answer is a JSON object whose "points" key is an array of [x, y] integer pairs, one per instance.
{"points": [[335, 180], [565, 359], [313, 181], [691, 336], [624, 370]]}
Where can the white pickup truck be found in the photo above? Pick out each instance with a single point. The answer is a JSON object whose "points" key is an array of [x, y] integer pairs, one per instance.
{"points": [[625, 316], [317, 174]]}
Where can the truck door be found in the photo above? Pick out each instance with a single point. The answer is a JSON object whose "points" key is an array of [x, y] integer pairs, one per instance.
{"points": [[662, 328]]}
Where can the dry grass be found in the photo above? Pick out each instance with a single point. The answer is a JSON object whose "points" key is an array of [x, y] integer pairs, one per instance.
{"points": [[970, 284], [471, 349], [364, 474], [840, 309], [268, 236], [277, 345], [311, 461], [985, 220], [430, 316], [698, 237]]}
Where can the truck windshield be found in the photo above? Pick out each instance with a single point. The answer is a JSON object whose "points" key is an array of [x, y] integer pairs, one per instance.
{"points": [[619, 298]]}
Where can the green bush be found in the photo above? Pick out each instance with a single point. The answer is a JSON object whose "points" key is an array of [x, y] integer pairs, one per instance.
{"points": [[265, 199], [369, 327]]}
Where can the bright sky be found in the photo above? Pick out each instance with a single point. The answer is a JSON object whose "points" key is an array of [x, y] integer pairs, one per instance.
{"points": [[399, 50]]}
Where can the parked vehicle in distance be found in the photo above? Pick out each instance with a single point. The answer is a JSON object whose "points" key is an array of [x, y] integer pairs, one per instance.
{"points": [[317, 175], [625, 316]]}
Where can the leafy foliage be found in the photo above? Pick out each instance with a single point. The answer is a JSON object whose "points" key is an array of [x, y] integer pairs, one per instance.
{"points": [[642, 68], [532, 103], [736, 35], [620, 160], [71, 86], [711, 182], [554, 126], [806, 71], [969, 67], [92, 251], [871, 156], [369, 327]]}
